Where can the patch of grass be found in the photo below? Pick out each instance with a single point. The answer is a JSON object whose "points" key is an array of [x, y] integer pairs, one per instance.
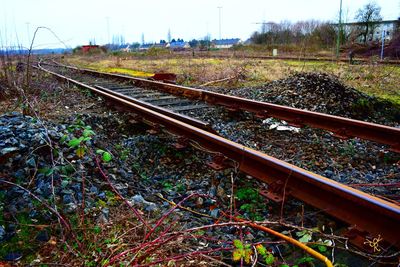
{"points": [[22, 240], [375, 80], [250, 202], [130, 72]]}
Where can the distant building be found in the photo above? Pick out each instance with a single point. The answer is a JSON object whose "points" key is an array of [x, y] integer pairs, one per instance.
{"points": [[225, 43], [143, 47], [160, 45], [88, 48], [127, 49], [178, 46], [389, 27]]}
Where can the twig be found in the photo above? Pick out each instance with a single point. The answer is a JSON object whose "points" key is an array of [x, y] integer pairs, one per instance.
{"points": [[218, 81], [167, 214], [214, 226], [284, 196], [83, 199], [221, 263], [183, 207], [190, 254], [255, 256], [232, 195], [157, 243]]}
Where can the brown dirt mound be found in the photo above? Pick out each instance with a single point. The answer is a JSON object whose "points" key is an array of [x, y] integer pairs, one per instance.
{"points": [[324, 93]]}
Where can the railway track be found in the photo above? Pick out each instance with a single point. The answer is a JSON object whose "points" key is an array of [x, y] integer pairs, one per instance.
{"points": [[370, 215], [341, 127], [294, 58]]}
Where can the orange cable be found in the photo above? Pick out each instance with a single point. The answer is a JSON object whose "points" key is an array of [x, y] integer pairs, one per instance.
{"points": [[293, 241]]}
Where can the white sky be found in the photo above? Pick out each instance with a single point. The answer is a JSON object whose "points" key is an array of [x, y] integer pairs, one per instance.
{"points": [[77, 22]]}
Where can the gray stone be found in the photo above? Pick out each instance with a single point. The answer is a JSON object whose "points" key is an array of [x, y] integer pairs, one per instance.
{"points": [[67, 199], [137, 200], [250, 236], [213, 191], [122, 188], [94, 190], [106, 213], [215, 213], [150, 207], [221, 191], [31, 162], [71, 207], [328, 173], [43, 236], [8, 150], [369, 177], [102, 195], [199, 202], [140, 202], [13, 256], [2, 232]]}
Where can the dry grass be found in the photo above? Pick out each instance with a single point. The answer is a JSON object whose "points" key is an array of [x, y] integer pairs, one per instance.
{"points": [[378, 80]]}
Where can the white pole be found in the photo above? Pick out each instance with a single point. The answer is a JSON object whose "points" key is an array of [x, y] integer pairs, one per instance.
{"points": [[339, 30], [108, 29], [383, 43], [219, 13]]}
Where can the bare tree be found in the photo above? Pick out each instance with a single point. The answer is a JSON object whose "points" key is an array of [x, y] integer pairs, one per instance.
{"points": [[368, 16]]}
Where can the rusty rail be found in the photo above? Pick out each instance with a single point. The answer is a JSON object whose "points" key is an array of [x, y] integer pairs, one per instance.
{"points": [[189, 120], [341, 127], [374, 215]]}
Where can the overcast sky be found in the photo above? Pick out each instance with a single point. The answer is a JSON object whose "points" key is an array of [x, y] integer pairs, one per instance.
{"points": [[78, 21]]}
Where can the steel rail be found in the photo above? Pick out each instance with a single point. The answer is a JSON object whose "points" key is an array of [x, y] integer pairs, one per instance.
{"points": [[340, 126], [369, 213], [189, 120]]}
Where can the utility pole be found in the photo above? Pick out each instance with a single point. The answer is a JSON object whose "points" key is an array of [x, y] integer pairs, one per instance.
{"points": [[108, 29], [339, 30], [219, 16], [169, 38]]}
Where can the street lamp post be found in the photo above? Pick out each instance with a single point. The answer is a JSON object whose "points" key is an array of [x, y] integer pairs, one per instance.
{"points": [[339, 30], [108, 29], [219, 16]]}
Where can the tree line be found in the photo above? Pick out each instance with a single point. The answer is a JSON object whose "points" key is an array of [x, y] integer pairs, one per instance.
{"points": [[320, 33], [284, 33]]}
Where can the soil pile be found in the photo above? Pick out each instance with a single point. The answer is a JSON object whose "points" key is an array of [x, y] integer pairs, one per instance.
{"points": [[324, 93]]}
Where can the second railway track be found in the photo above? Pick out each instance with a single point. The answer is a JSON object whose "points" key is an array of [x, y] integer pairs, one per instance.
{"points": [[374, 215]]}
